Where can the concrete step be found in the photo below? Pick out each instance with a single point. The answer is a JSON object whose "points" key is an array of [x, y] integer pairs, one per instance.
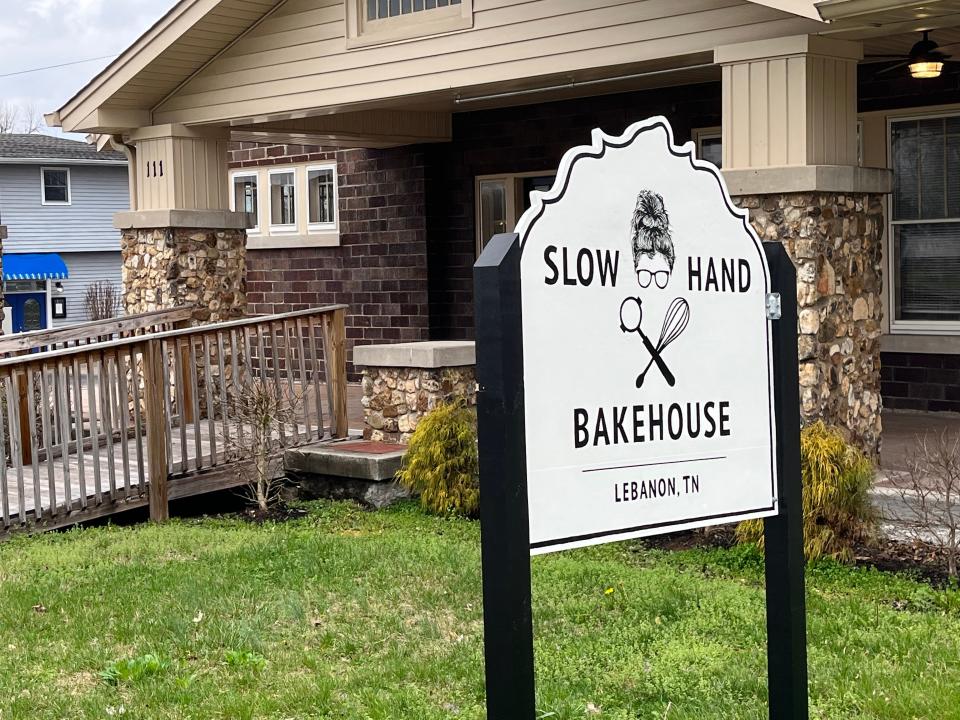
{"points": [[360, 470]]}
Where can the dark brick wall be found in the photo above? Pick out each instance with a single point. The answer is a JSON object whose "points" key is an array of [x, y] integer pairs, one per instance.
{"points": [[380, 267], [920, 381], [896, 89], [531, 138]]}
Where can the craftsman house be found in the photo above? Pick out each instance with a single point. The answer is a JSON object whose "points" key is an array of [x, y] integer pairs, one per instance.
{"points": [[385, 142], [57, 201]]}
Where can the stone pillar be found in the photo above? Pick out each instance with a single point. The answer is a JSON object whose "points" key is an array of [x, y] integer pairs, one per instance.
{"points": [[181, 245], [834, 240], [790, 159], [168, 267], [402, 382]]}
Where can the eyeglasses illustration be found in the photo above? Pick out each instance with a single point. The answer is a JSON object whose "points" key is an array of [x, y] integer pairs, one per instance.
{"points": [[661, 277]]}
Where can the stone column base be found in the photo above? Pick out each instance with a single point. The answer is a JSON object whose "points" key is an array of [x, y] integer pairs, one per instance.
{"points": [[173, 266], [403, 382], [834, 240]]}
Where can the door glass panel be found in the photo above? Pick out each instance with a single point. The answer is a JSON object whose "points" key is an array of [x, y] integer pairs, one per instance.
{"points": [[493, 209], [31, 315]]}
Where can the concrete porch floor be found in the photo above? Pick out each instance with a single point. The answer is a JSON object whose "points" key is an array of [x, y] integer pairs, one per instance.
{"points": [[901, 428]]}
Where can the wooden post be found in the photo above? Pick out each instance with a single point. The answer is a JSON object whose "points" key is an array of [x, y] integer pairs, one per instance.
{"points": [[783, 534], [157, 428], [334, 341]]}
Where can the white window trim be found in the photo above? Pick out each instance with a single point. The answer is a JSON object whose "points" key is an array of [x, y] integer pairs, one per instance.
{"points": [[328, 227], [43, 186], [233, 196], [910, 327], [285, 228], [436, 21]]}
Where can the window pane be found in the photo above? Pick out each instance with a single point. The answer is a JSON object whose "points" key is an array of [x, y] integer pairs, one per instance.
{"points": [[906, 177], [55, 186], [928, 271], [321, 193], [711, 150], [933, 182], [245, 194], [493, 209], [283, 199]]}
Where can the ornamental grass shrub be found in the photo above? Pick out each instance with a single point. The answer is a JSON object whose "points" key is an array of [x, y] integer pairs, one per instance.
{"points": [[441, 464], [837, 512]]}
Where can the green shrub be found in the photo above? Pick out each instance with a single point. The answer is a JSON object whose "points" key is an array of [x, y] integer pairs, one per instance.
{"points": [[836, 504], [441, 464]]}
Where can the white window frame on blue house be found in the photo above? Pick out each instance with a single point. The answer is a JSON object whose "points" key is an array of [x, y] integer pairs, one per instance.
{"points": [[43, 186]]}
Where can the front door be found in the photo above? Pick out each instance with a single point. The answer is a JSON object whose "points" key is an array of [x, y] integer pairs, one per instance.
{"points": [[28, 311]]}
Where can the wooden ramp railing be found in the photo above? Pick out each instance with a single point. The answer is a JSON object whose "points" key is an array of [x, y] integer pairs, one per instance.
{"points": [[95, 331], [149, 418]]}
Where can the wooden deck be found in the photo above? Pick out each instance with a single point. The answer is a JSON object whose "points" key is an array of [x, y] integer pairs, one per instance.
{"points": [[93, 429]]}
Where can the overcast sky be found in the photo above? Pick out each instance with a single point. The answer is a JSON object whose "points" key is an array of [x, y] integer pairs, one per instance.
{"points": [[38, 33]]}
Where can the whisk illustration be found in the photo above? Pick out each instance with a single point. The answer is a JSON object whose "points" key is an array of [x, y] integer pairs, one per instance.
{"points": [[674, 323]]}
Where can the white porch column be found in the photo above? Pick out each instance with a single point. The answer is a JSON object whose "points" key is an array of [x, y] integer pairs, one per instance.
{"points": [[791, 156], [181, 243]]}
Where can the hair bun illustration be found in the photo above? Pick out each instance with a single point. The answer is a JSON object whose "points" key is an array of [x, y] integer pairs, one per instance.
{"points": [[650, 228]]}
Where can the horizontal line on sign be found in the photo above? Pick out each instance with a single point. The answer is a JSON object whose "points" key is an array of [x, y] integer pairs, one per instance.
{"points": [[653, 464]]}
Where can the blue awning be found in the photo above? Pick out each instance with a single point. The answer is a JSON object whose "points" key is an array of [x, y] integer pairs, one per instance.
{"points": [[34, 266]]}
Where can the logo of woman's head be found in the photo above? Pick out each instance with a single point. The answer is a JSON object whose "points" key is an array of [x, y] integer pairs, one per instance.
{"points": [[653, 253]]}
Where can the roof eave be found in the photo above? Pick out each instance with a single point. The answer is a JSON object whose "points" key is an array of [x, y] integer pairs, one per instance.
{"points": [[144, 50]]}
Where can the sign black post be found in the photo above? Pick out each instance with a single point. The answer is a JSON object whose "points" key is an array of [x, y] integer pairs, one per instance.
{"points": [[505, 528], [783, 534]]}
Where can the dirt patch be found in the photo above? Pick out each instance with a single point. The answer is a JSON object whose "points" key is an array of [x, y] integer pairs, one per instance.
{"points": [[922, 560], [279, 512]]}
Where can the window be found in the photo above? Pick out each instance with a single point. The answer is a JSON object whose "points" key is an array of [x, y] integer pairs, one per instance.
{"points": [[371, 22], [246, 197], [381, 9], [283, 200], [709, 143], [55, 186], [925, 220], [322, 197], [502, 199]]}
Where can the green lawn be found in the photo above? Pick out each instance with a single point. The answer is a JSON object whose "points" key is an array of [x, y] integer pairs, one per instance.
{"points": [[350, 614]]}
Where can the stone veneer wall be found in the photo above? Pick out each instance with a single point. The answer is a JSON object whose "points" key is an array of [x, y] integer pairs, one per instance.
{"points": [[171, 267], [834, 240], [394, 399]]}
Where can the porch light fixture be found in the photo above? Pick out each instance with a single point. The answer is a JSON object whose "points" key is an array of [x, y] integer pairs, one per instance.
{"points": [[58, 287], [925, 60], [922, 69]]}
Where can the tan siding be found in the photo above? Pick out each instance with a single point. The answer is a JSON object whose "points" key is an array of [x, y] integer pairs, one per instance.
{"points": [[297, 58]]}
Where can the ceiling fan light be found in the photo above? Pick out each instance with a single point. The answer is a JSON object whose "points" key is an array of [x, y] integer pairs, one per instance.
{"points": [[922, 69]]}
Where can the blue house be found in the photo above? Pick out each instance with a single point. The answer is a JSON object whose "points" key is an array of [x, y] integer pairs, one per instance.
{"points": [[57, 200]]}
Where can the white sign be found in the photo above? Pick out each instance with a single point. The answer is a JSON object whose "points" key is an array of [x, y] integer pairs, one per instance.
{"points": [[648, 369]]}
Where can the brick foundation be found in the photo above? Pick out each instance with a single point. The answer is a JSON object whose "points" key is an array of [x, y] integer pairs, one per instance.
{"points": [[920, 381]]}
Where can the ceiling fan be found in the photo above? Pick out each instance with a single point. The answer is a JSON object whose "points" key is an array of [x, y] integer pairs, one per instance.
{"points": [[925, 59]]}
